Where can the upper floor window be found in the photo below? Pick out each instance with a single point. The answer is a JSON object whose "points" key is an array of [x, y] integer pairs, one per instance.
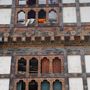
{"points": [[52, 16], [21, 85], [33, 65], [42, 1], [52, 1], [22, 65], [21, 17], [31, 2], [22, 2], [41, 16], [31, 17]]}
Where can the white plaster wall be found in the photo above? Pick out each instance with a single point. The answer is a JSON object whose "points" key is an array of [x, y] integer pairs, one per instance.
{"points": [[87, 63], [75, 84], [5, 16], [5, 2], [22, 2], [4, 84], [68, 1], [42, 1], [74, 64], [84, 1], [5, 64], [88, 83], [85, 14], [69, 15]]}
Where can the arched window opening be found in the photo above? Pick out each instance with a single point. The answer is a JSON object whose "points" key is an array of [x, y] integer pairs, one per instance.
{"points": [[22, 2], [53, 1], [21, 85], [57, 85], [22, 65], [45, 66], [33, 65], [52, 16], [45, 85], [31, 2], [21, 17], [42, 2], [56, 65], [33, 85], [31, 16], [42, 16]]}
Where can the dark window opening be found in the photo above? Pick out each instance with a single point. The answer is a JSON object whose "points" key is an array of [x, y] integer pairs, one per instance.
{"points": [[33, 85], [22, 65], [53, 1], [33, 65], [41, 16], [31, 2], [31, 16], [21, 85], [45, 85], [57, 85]]}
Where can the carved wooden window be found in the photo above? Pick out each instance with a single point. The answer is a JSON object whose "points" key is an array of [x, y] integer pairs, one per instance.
{"points": [[45, 65], [31, 2], [42, 1], [33, 65], [22, 2], [57, 85], [42, 16], [53, 1], [52, 16], [21, 17], [21, 85], [31, 16], [33, 85], [56, 65], [45, 85], [22, 65]]}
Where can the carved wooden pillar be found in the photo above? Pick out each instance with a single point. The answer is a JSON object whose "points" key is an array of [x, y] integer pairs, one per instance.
{"points": [[51, 85], [39, 67], [50, 66], [39, 85], [27, 68], [27, 85], [37, 16]]}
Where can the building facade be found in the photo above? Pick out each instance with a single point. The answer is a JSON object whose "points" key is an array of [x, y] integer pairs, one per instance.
{"points": [[44, 44]]}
